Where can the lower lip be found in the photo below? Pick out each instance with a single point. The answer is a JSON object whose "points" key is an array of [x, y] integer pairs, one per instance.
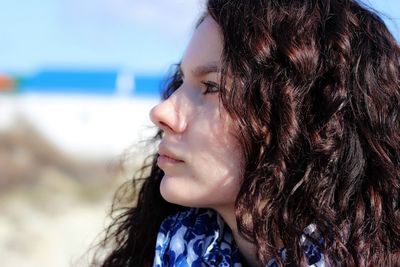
{"points": [[167, 160]]}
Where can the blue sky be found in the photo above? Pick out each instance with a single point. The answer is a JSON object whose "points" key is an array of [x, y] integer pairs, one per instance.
{"points": [[143, 36]]}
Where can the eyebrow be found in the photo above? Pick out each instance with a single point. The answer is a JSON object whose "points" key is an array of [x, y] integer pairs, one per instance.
{"points": [[203, 70]]}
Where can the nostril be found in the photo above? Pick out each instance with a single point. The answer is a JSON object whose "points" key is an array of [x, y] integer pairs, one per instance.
{"points": [[164, 127]]}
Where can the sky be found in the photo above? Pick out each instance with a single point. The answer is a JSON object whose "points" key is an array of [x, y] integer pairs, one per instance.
{"points": [[140, 35], [144, 36], [136, 36]]}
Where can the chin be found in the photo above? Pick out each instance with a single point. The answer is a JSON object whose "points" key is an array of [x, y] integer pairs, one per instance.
{"points": [[176, 191], [172, 196], [170, 192]]}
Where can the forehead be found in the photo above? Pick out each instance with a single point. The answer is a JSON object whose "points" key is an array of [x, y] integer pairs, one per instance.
{"points": [[205, 46]]}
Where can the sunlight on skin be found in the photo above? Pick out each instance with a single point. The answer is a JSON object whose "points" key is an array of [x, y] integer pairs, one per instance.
{"points": [[198, 131], [206, 165]]}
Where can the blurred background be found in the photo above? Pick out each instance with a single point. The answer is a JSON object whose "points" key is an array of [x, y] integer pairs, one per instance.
{"points": [[77, 80]]}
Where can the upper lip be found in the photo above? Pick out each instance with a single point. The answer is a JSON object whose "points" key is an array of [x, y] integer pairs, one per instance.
{"points": [[163, 151]]}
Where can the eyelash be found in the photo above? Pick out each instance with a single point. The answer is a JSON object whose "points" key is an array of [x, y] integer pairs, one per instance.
{"points": [[209, 85]]}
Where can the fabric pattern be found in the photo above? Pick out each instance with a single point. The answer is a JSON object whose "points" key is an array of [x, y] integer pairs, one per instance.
{"points": [[199, 237]]}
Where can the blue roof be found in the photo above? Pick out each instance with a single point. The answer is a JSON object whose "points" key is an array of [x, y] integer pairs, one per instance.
{"points": [[102, 82]]}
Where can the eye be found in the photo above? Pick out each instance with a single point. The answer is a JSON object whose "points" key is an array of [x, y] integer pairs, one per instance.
{"points": [[178, 79], [211, 87]]}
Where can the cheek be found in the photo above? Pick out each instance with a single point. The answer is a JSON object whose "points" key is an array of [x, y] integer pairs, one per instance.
{"points": [[212, 173], [220, 160], [212, 178], [215, 131], [227, 146]]}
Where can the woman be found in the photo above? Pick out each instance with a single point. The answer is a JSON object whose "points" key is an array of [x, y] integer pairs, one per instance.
{"points": [[280, 144]]}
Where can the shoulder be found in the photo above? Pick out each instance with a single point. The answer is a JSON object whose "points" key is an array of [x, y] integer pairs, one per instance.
{"points": [[196, 219], [195, 236], [200, 235]]}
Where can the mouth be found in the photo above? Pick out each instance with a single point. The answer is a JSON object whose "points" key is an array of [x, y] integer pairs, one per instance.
{"points": [[166, 157]]}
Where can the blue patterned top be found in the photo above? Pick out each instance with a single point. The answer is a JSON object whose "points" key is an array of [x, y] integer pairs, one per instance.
{"points": [[200, 237]]}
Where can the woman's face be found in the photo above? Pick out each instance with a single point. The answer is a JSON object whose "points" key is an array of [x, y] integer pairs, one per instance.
{"points": [[199, 155]]}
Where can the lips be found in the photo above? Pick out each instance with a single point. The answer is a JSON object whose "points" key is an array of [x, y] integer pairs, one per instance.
{"points": [[167, 156]]}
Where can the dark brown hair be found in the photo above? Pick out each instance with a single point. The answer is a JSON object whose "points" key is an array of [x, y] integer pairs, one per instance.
{"points": [[315, 94]]}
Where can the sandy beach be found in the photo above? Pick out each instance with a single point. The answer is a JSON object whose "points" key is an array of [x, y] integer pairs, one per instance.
{"points": [[61, 160]]}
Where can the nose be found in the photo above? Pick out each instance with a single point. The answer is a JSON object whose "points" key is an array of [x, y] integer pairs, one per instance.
{"points": [[166, 116]]}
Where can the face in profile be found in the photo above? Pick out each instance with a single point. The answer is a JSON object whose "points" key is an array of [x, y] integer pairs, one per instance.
{"points": [[199, 154]]}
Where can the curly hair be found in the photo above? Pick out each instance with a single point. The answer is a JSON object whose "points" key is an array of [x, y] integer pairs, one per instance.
{"points": [[316, 98]]}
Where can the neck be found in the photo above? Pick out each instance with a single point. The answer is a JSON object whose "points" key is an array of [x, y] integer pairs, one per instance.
{"points": [[247, 249]]}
